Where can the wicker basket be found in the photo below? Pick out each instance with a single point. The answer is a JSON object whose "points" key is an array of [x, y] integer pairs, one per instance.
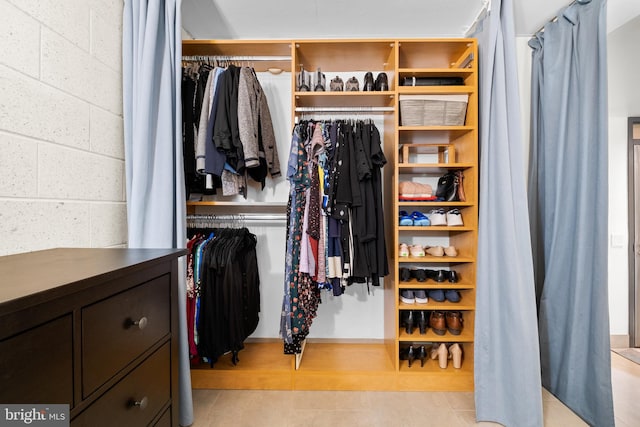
{"points": [[433, 110]]}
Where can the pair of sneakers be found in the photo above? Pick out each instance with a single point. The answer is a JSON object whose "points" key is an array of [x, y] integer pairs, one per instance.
{"points": [[450, 218], [413, 218], [414, 296]]}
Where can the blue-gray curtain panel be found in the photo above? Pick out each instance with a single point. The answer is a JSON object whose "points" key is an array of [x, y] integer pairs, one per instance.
{"points": [[152, 51], [507, 364], [568, 188]]}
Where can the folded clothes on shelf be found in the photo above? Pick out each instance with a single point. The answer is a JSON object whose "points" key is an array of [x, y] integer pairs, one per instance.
{"points": [[415, 191]]}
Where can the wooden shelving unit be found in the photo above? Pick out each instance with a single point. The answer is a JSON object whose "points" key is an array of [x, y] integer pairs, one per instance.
{"points": [[439, 58], [376, 366]]}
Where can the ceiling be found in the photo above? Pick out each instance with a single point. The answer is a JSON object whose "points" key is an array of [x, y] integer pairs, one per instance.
{"points": [[282, 19]]}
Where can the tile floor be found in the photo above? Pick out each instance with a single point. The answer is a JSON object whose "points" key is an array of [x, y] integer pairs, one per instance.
{"points": [[395, 409]]}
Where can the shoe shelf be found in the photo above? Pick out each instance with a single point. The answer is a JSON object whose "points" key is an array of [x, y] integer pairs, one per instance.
{"points": [[436, 259], [431, 367], [437, 204], [431, 370], [363, 99], [433, 305], [430, 284], [430, 336], [422, 228]]}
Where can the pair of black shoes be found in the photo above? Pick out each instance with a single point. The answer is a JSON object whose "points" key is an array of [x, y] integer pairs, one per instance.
{"points": [[412, 318], [412, 353], [421, 275], [381, 82]]}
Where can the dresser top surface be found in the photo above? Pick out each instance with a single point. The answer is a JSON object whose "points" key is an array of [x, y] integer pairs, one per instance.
{"points": [[35, 273]]}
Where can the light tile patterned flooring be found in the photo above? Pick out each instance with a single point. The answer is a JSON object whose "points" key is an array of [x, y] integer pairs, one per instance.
{"points": [[390, 409]]}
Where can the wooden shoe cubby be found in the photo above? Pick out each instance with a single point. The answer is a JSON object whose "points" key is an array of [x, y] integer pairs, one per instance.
{"points": [[413, 152]]}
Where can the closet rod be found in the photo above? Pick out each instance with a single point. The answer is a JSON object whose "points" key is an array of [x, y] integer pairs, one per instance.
{"points": [[344, 109], [235, 58], [236, 217]]}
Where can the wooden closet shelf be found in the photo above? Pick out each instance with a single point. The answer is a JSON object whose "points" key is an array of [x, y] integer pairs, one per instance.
{"points": [[436, 259], [436, 72], [434, 228], [450, 90], [436, 204], [430, 284], [444, 305], [430, 337]]}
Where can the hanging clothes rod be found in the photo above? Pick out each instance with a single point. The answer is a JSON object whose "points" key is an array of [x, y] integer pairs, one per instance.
{"points": [[235, 58], [344, 109], [236, 217]]}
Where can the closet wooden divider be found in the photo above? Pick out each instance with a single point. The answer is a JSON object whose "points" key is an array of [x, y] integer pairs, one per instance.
{"points": [[343, 365]]}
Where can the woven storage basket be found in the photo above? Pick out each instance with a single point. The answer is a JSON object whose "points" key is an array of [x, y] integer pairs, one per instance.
{"points": [[433, 110]]}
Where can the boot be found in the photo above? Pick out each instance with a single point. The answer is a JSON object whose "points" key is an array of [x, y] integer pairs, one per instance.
{"points": [[369, 84], [422, 322], [409, 321], [382, 82]]}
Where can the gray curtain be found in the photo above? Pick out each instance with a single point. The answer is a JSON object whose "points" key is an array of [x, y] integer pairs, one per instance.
{"points": [[152, 50], [507, 363], [568, 190]]}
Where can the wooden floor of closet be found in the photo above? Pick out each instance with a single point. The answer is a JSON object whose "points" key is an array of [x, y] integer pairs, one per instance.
{"points": [[329, 366]]}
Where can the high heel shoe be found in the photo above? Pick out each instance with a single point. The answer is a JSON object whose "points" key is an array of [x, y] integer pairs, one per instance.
{"points": [[409, 355], [423, 321], [409, 321], [422, 355], [440, 352], [455, 353]]}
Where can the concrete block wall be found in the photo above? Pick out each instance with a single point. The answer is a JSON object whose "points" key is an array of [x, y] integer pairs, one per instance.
{"points": [[61, 133]]}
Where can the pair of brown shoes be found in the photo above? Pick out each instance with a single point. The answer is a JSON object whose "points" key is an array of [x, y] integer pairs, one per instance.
{"points": [[441, 321]]}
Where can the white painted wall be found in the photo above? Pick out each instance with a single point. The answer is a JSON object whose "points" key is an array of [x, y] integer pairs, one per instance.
{"points": [[624, 101], [61, 137]]}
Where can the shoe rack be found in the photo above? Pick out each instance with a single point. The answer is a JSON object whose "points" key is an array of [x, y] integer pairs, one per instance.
{"points": [[379, 365], [424, 153]]}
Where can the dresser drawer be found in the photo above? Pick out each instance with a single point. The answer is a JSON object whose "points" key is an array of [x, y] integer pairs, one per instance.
{"points": [[137, 399], [165, 419], [36, 366], [117, 330]]}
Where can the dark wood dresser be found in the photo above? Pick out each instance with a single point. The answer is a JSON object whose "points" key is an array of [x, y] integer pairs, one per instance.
{"points": [[93, 328]]}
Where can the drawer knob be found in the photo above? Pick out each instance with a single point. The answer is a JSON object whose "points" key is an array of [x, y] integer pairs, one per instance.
{"points": [[141, 324], [142, 403]]}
